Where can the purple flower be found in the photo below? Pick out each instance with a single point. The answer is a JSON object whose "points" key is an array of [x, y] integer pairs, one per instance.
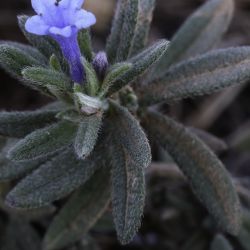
{"points": [[62, 19]]}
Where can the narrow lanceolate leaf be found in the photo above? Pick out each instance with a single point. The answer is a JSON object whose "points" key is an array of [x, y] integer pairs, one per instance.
{"points": [[14, 60], [207, 175], [53, 180], [220, 243], [128, 30], [199, 76], [33, 52], [11, 170], [141, 64], [116, 72], [19, 124], [42, 77], [128, 192], [146, 8], [130, 135], [84, 39], [80, 213], [44, 141], [198, 34], [87, 135], [115, 36]]}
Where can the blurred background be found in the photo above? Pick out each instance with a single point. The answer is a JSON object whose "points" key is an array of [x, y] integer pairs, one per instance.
{"points": [[226, 114]]}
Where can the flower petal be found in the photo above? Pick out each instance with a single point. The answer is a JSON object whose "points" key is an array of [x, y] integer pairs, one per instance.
{"points": [[38, 6], [36, 25], [65, 32], [84, 19]]}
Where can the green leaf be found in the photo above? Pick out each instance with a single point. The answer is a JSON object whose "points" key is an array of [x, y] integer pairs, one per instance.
{"points": [[130, 154], [14, 60], [198, 34], [130, 135], [10, 170], [85, 44], [46, 78], [220, 243], [44, 141], [199, 76], [19, 124], [128, 194], [33, 52], [127, 31], [54, 180], [146, 8], [55, 63], [115, 73], [87, 135], [80, 213], [115, 36], [207, 175], [141, 63], [92, 82]]}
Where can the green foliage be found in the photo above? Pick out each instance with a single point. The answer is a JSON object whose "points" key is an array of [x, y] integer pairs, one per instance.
{"points": [[205, 172], [141, 64], [202, 75], [131, 12], [53, 180], [87, 135], [145, 15], [198, 34], [84, 39], [14, 59], [80, 213], [130, 136], [98, 127], [19, 124], [43, 142]]}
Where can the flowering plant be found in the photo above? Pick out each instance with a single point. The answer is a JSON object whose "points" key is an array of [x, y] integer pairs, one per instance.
{"points": [[94, 138]]}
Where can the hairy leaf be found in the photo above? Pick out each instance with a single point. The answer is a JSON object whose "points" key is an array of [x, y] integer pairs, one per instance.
{"points": [[141, 63], [33, 52], [87, 135], [199, 76], [19, 124], [14, 60], [115, 73], [92, 82], [128, 191], [80, 213], [146, 8], [130, 135], [10, 170], [54, 180], [128, 30], [115, 35], [209, 179], [85, 44], [42, 77], [198, 34], [44, 141], [220, 243]]}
